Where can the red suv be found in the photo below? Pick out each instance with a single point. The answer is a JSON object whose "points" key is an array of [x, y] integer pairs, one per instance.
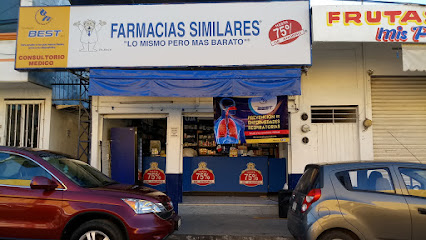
{"points": [[45, 195]]}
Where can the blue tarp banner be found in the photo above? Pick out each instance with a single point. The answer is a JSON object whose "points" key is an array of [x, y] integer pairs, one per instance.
{"points": [[175, 83]]}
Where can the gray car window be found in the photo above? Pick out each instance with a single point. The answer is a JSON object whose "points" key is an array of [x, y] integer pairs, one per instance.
{"points": [[376, 180], [415, 181]]}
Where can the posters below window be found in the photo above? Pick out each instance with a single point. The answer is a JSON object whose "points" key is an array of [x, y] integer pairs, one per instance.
{"points": [[154, 175]]}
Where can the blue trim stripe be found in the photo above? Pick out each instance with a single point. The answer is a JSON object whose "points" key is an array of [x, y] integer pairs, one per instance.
{"points": [[175, 83]]}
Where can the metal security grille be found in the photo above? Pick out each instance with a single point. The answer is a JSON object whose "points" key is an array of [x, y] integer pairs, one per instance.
{"points": [[23, 124], [399, 118], [333, 114], [70, 91]]}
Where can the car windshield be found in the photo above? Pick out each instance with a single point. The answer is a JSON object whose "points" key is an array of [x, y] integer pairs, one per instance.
{"points": [[77, 171]]}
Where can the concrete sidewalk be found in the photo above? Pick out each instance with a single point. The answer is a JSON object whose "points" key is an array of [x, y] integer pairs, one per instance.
{"points": [[230, 218]]}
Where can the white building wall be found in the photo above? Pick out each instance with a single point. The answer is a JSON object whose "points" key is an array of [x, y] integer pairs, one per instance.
{"points": [[14, 85], [7, 63], [385, 59], [64, 132], [335, 78], [340, 75], [26, 91]]}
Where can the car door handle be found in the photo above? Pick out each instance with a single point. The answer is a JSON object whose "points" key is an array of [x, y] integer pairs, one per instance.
{"points": [[422, 210]]}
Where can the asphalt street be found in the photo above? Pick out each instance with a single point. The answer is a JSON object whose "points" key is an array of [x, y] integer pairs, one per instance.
{"points": [[231, 218], [234, 225]]}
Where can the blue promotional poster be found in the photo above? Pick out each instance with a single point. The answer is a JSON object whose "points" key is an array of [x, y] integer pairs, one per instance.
{"points": [[251, 120]]}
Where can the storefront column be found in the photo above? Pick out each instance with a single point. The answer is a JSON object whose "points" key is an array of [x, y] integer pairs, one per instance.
{"points": [[95, 158], [294, 168], [174, 161]]}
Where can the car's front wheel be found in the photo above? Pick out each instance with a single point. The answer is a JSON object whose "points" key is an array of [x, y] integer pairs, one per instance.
{"points": [[98, 229], [337, 235]]}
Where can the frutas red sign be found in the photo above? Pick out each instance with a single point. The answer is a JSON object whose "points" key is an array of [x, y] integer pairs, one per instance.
{"points": [[369, 23]]}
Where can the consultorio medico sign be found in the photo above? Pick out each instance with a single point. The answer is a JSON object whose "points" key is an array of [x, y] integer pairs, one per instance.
{"points": [[208, 34]]}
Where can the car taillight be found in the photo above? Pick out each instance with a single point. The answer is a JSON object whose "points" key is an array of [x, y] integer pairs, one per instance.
{"points": [[312, 197]]}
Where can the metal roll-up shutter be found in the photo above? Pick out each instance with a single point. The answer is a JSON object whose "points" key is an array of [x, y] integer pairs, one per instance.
{"points": [[399, 118]]}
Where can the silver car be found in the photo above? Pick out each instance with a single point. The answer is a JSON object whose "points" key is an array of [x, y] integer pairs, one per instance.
{"points": [[362, 200]]}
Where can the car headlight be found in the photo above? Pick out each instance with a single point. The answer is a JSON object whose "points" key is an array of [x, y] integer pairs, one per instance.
{"points": [[143, 206]]}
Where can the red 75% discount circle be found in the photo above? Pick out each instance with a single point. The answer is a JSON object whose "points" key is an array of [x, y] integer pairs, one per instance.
{"points": [[285, 32]]}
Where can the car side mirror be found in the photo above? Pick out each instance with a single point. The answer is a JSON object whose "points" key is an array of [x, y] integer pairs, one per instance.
{"points": [[40, 182]]}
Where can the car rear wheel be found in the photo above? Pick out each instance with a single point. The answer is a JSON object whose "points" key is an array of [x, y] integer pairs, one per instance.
{"points": [[98, 229], [337, 235]]}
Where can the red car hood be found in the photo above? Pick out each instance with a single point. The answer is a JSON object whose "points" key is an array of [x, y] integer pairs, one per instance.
{"points": [[135, 191]]}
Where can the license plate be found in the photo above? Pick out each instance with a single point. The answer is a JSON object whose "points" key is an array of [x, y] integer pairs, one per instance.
{"points": [[294, 206]]}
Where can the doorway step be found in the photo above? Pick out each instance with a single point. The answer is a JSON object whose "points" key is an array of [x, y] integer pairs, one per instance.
{"points": [[260, 206]]}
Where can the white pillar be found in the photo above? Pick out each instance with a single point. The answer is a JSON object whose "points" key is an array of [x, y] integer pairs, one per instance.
{"points": [[174, 160], [95, 159], [46, 121]]}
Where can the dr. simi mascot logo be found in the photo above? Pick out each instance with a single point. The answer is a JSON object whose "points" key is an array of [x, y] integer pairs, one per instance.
{"points": [[89, 30]]}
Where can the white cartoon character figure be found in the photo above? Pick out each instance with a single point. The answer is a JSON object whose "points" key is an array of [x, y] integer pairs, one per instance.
{"points": [[89, 34]]}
